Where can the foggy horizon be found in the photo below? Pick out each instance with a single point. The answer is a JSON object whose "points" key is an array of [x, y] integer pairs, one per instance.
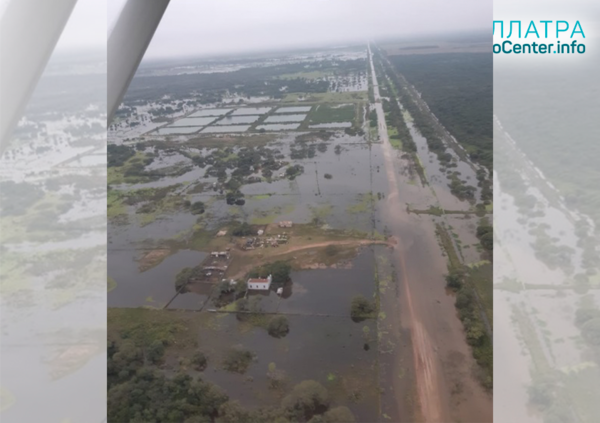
{"points": [[238, 27]]}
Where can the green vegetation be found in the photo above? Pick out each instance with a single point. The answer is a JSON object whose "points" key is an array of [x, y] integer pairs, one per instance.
{"points": [[118, 155], [466, 283], [111, 284], [373, 118], [243, 229], [279, 270], [199, 361], [485, 234], [458, 89], [325, 113], [237, 360], [306, 399], [278, 327], [183, 278], [362, 309], [17, 197], [197, 208]]}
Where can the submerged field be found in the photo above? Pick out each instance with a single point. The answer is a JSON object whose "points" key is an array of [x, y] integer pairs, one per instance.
{"points": [[283, 176]]}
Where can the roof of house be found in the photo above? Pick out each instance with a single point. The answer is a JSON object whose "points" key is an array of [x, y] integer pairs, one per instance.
{"points": [[258, 280]]}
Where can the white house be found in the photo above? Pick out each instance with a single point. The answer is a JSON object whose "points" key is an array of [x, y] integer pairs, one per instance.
{"points": [[260, 284]]}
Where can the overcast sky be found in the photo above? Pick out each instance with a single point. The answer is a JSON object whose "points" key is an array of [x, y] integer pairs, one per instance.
{"points": [[206, 27]]}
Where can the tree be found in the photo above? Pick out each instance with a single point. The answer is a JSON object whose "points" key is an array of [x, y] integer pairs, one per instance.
{"points": [[279, 327], [279, 270], [582, 315], [197, 207], [306, 399], [464, 299], [454, 281], [361, 308], [155, 351], [199, 361], [237, 360], [591, 331]]}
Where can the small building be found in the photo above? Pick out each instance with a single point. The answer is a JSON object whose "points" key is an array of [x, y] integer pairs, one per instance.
{"points": [[260, 232], [260, 284], [222, 232], [285, 224], [216, 254]]}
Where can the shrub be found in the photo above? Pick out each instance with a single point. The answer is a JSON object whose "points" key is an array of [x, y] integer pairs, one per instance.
{"points": [[199, 361], [361, 309], [279, 327], [237, 361], [197, 208]]}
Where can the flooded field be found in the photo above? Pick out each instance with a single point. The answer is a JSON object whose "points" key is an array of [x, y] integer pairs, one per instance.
{"points": [[285, 118], [193, 121], [278, 127], [225, 129], [236, 120], [297, 109], [183, 130], [321, 210], [331, 125], [251, 111], [210, 112]]}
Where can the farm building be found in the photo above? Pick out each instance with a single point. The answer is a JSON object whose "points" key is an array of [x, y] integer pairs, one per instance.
{"points": [[285, 224], [260, 284]]}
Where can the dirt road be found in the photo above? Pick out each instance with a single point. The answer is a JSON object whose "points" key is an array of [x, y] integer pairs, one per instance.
{"points": [[425, 367], [442, 362]]}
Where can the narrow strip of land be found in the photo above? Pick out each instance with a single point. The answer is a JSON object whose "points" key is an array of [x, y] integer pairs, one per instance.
{"points": [[426, 370]]}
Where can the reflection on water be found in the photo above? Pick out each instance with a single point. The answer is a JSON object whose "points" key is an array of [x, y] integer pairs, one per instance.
{"points": [[251, 111], [235, 120], [210, 112], [183, 130], [279, 127], [225, 129], [285, 118], [293, 109], [154, 287], [193, 121]]}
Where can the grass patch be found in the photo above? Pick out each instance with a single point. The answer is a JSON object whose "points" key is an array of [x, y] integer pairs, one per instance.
{"points": [[329, 97], [365, 203], [324, 113], [111, 284]]}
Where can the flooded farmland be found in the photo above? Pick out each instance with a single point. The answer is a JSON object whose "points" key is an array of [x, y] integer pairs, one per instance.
{"points": [[306, 206]]}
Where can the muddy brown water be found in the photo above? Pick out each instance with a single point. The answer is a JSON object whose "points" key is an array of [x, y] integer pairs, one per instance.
{"points": [[329, 350], [442, 362]]}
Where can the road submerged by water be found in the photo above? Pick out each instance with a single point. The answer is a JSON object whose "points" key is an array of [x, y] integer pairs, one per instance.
{"points": [[442, 362]]}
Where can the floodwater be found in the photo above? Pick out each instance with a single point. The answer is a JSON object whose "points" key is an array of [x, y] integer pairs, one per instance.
{"points": [[154, 287], [330, 350], [193, 121], [330, 291], [285, 118], [209, 112], [235, 120], [183, 130], [251, 111], [331, 125], [225, 129], [445, 388], [293, 109], [278, 127]]}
